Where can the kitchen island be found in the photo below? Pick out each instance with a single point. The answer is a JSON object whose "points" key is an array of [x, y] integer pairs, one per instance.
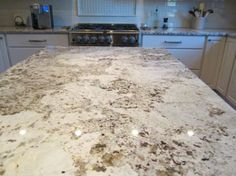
{"points": [[112, 111]]}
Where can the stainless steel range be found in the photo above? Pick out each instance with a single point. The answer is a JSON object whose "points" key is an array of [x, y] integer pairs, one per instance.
{"points": [[104, 35]]}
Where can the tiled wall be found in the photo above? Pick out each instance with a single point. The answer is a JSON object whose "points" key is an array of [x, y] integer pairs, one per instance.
{"points": [[62, 10], [224, 16], [65, 12]]}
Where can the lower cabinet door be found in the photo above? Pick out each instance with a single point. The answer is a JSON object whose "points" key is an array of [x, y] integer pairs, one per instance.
{"points": [[191, 58], [19, 54], [231, 93], [226, 66], [212, 60]]}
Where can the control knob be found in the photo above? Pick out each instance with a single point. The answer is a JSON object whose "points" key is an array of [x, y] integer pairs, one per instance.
{"points": [[79, 39], [132, 40], [124, 39], [101, 39], [93, 39], [108, 39], [85, 39]]}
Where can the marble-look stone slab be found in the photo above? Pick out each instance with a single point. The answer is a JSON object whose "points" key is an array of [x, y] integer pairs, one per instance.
{"points": [[189, 32], [100, 111]]}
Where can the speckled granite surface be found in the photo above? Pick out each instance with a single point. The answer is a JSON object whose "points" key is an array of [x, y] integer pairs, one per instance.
{"points": [[159, 31], [189, 32], [28, 30], [112, 111]]}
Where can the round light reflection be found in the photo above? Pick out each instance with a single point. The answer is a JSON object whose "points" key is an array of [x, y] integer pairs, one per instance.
{"points": [[22, 132], [190, 133], [78, 133], [135, 132]]}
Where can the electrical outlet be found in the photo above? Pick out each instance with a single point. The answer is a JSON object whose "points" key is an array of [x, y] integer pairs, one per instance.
{"points": [[171, 3]]}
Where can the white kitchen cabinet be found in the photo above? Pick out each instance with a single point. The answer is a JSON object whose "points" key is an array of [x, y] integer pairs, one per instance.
{"points": [[189, 57], [19, 54], [226, 66], [212, 59], [165, 41], [21, 46], [231, 93], [187, 49], [4, 61]]}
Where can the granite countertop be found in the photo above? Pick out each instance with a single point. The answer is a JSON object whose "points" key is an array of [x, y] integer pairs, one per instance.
{"points": [[159, 31], [29, 30], [189, 32], [100, 111]]}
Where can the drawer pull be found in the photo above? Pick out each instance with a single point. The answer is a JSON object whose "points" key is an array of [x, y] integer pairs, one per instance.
{"points": [[37, 41], [212, 40], [173, 42]]}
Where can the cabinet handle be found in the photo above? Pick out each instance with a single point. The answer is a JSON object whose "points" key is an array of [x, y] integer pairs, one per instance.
{"points": [[211, 40], [173, 42], [37, 41]]}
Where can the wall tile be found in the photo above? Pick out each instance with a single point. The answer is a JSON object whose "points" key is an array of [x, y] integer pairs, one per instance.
{"points": [[65, 12]]}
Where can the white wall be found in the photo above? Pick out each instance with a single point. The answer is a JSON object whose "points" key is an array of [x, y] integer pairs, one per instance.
{"points": [[65, 12]]}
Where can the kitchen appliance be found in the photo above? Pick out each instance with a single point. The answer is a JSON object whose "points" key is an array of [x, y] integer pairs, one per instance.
{"points": [[86, 34], [41, 16]]}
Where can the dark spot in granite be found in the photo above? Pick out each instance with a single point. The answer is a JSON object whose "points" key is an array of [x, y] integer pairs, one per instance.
{"points": [[204, 138], [80, 166], [166, 146], [125, 102], [98, 168], [144, 144], [110, 159], [97, 148], [63, 172], [153, 149], [11, 140], [180, 144], [189, 153], [144, 133], [122, 86], [205, 159], [196, 145], [215, 112], [223, 131], [2, 170], [163, 173]]}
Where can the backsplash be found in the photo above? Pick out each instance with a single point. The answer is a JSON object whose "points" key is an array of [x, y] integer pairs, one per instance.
{"points": [[224, 16], [62, 10], [150, 12]]}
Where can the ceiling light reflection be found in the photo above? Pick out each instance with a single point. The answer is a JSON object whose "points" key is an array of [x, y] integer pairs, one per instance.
{"points": [[22, 132], [135, 132], [190, 133], [78, 133]]}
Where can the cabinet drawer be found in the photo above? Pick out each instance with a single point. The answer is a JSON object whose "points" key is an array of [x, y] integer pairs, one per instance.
{"points": [[173, 41], [35, 40], [191, 58], [19, 54]]}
